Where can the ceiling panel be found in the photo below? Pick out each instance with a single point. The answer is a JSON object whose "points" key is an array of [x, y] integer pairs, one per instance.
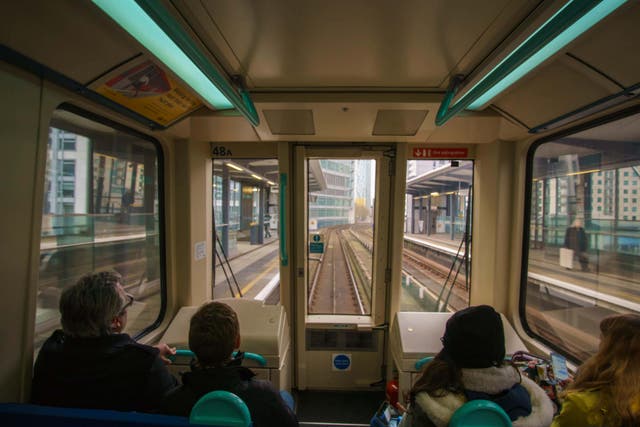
{"points": [[355, 43], [613, 48], [82, 45]]}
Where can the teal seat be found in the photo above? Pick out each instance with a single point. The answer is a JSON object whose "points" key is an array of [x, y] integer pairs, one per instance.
{"points": [[480, 413], [420, 363], [220, 408]]}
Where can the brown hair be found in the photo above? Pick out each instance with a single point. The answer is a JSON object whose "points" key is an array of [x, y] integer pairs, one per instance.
{"points": [[439, 377], [615, 369], [213, 333]]}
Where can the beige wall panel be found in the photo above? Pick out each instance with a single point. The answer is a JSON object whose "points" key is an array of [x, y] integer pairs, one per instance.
{"points": [[19, 130], [612, 46], [81, 45], [467, 130], [554, 90], [492, 216], [222, 129], [193, 221], [246, 150], [24, 124]]}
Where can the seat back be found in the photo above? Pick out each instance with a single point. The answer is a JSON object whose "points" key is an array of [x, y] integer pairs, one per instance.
{"points": [[220, 408], [480, 413], [26, 414], [420, 363]]}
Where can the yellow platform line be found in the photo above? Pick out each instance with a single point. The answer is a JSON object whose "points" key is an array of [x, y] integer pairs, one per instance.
{"points": [[252, 283]]}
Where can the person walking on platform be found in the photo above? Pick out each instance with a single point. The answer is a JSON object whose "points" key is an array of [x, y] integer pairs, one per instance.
{"points": [[576, 239]]}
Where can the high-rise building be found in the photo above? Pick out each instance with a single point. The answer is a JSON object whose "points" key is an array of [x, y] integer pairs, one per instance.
{"points": [[335, 204]]}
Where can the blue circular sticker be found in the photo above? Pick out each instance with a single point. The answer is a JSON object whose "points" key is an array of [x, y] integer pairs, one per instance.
{"points": [[316, 237], [341, 362]]}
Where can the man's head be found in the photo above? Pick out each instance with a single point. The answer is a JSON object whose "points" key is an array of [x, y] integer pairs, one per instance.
{"points": [[95, 306], [214, 333]]}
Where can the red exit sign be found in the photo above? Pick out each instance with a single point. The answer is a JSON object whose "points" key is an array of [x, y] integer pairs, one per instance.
{"points": [[433, 153]]}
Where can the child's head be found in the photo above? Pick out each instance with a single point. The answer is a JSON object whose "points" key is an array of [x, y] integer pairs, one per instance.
{"points": [[214, 333], [474, 338]]}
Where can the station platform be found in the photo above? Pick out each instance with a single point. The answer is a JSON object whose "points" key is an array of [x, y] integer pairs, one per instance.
{"points": [[255, 268], [610, 279], [443, 239], [243, 247]]}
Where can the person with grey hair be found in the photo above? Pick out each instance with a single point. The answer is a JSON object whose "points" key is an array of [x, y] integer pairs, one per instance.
{"points": [[91, 363]]}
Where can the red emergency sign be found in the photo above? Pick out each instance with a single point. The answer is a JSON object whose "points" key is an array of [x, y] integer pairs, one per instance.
{"points": [[432, 153]]}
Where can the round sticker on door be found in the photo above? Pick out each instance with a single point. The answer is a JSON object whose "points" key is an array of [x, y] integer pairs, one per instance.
{"points": [[341, 362]]}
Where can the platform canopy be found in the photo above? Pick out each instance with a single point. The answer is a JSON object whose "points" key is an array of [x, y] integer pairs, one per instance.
{"points": [[451, 177]]}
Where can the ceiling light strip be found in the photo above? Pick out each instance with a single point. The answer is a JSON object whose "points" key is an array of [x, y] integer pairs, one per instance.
{"points": [[576, 17], [153, 26]]}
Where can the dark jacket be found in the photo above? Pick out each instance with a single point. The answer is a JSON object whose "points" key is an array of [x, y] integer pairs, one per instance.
{"points": [[109, 372], [575, 238], [264, 402]]}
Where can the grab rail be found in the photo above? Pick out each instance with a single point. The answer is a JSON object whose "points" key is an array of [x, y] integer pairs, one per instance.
{"points": [[251, 356], [284, 258]]}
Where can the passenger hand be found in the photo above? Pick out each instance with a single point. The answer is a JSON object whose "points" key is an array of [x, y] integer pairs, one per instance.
{"points": [[165, 351]]}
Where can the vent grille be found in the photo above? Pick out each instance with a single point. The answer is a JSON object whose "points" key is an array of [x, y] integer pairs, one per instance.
{"points": [[331, 339], [398, 122], [290, 122]]}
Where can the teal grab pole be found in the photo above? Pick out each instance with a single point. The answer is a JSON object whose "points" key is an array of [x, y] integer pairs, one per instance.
{"points": [[444, 113], [241, 101], [284, 258], [251, 356]]}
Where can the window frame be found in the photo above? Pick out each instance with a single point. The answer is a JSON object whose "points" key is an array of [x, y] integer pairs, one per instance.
{"points": [[524, 266], [71, 108]]}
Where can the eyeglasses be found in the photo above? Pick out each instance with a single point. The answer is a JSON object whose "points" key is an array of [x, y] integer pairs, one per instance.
{"points": [[129, 302]]}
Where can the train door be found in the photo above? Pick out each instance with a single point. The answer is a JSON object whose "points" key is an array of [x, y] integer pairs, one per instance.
{"points": [[342, 215]]}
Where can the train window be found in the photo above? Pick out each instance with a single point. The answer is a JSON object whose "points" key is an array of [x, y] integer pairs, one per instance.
{"points": [[245, 215], [437, 235], [100, 212], [340, 227], [582, 237]]}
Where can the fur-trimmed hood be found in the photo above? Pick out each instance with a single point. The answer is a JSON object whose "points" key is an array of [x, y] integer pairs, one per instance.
{"points": [[492, 381]]}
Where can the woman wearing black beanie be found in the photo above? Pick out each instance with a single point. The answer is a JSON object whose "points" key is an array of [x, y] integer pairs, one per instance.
{"points": [[471, 366]]}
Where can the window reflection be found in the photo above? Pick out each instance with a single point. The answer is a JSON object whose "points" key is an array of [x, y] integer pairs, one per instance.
{"points": [[100, 211], [584, 235]]}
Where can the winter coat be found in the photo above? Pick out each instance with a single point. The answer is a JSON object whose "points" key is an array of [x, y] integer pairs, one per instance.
{"points": [[108, 372], [589, 409], [437, 411], [575, 238]]}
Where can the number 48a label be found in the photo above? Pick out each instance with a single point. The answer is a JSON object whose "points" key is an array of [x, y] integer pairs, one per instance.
{"points": [[220, 151]]}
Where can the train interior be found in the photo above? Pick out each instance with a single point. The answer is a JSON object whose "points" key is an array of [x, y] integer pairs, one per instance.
{"points": [[432, 154]]}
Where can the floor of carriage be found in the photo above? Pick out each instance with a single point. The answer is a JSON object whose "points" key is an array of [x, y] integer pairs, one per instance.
{"points": [[337, 408]]}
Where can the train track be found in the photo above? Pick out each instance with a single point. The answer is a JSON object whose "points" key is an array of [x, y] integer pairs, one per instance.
{"points": [[336, 287], [433, 267]]}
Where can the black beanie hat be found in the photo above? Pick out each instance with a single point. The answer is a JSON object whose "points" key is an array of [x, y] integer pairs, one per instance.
{"points": [[474, 338]]}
